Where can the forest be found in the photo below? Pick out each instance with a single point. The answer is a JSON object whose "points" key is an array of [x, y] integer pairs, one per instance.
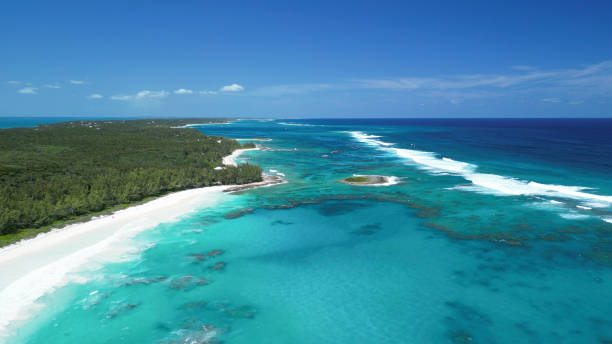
{"points": [[62, 171]]}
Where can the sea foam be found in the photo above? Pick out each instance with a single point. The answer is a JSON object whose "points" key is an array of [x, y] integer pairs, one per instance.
{"points": [[391, 180], [487, 182]]}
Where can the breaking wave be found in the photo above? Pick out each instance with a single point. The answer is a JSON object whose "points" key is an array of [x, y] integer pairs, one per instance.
{"points": [[484, 182]]}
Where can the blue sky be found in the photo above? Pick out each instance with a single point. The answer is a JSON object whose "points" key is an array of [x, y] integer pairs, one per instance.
{"points": [[307, 59]]}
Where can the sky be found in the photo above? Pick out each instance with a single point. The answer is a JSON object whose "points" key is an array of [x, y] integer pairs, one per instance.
{"points": [[306, 59]]}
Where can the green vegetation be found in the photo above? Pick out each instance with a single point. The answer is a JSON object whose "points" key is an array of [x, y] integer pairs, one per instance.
{"points": [[359, 179], [55, 173]]}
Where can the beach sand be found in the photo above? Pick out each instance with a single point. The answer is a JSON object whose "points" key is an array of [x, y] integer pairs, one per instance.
{"points": [[32, 267], [230, 160]]}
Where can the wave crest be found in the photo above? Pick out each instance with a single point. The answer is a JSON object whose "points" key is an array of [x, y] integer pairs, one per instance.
{"points": [[483, 182]]}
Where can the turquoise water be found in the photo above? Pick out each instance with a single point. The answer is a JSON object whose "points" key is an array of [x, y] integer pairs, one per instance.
{"points": [[487, 238]]}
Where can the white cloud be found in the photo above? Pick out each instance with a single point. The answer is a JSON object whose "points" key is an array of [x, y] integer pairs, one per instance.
{"points": [[14, 82], [232, 88], [590, 81], [142, 95], [597, 78], [452, 82], [53, 86], [183, 91], [28, 90], [297, 89], [151, 94], [95, 96], [77, 82], [122, 97], [207, 92]]}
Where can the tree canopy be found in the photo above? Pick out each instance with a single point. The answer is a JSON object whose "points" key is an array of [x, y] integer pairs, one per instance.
{"points": [[60, 171]]}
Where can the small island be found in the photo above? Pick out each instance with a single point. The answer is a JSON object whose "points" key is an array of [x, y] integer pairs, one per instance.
{"points": [[367, 180]]}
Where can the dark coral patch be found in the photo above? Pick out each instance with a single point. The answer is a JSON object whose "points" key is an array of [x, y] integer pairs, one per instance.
{"points": [[238, 213], [280, 222], [214, 253], [187, 282], [218, 266], [368, 229]]}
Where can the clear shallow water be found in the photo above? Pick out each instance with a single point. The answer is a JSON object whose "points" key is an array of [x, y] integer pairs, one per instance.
{"points": [[442, 257]]}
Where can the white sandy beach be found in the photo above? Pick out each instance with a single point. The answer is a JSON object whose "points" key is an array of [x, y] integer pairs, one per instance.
{"points": [[230, 160], [199, 124], [255, 139], [32, 267]]}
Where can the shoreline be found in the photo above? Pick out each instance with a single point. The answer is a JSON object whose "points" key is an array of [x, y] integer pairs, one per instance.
{"points": [[32, 267], [268, 180], [191, 125], [230, 160], [255, 139]]}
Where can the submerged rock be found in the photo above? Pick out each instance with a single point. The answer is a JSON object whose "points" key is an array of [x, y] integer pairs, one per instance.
{"points": [[218, 266], [197, 256], [115, 311], [461, 337], [244, 312], [368, 229], [237, 213], [187, 282], [206, 334], [201, 281], [144, 280], [280, 222], [241, 312], [214, 253]]}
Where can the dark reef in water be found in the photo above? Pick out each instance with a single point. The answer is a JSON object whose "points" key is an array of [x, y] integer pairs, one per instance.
{"points": [[280, 222], [214, 253], [218, 266], [238, 213], [510, 239], [188, 282], [121, 308], [339, 208], [516, 235], [368, 229]]}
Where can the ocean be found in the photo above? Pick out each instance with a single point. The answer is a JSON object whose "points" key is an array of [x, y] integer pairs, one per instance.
{"points": [[494, 231]]}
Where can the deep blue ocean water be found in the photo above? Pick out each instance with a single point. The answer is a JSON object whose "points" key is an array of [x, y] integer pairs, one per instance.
{"points": [[498, 231]]}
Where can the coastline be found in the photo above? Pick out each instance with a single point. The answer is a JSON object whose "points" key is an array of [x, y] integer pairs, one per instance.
{"points": [[199, 124], [230, 160], [32, 267]]}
